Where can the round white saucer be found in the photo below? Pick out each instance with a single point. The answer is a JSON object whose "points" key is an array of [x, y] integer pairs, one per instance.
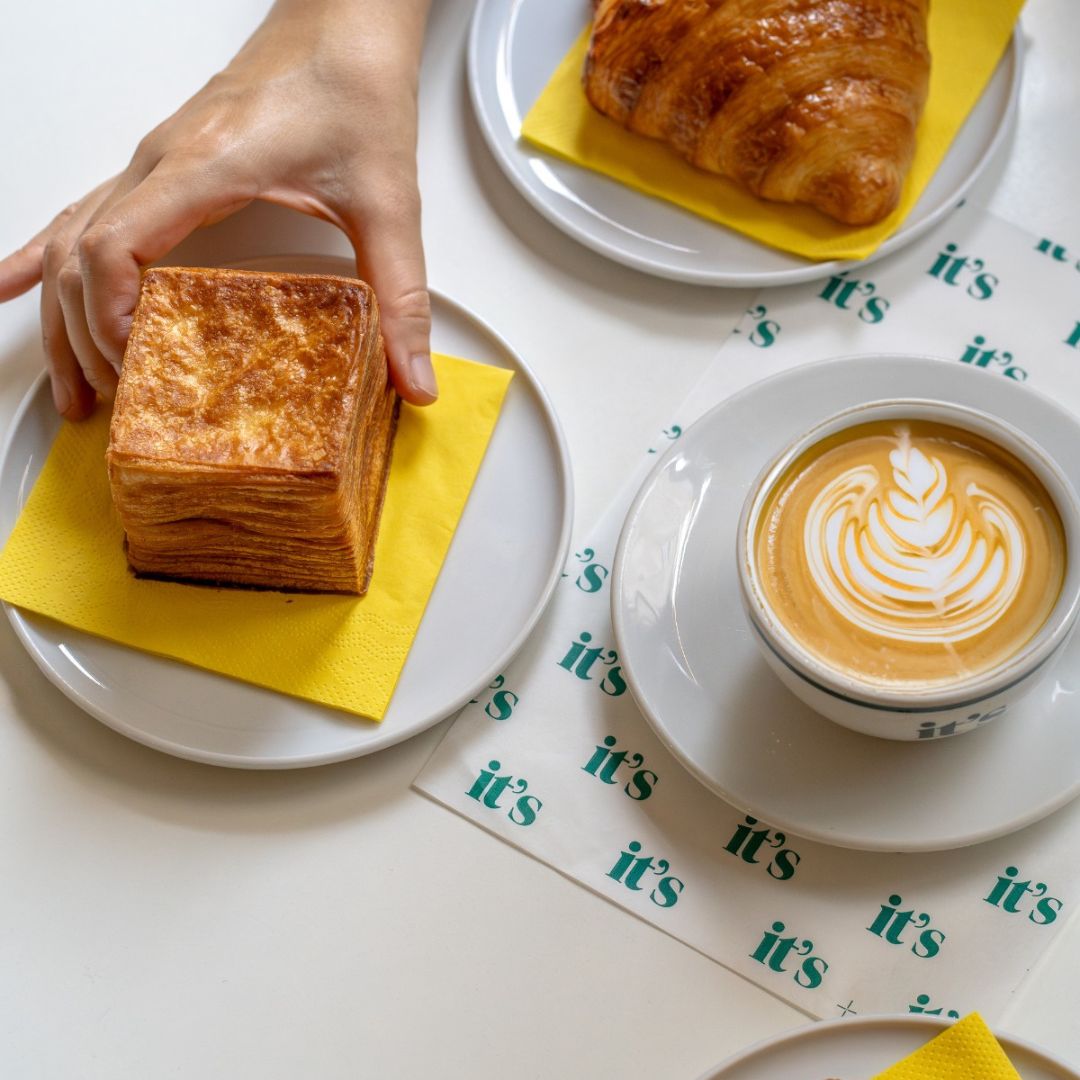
{"points": [[865, 1046], [697, 676], [487, 598], [515, 45]]}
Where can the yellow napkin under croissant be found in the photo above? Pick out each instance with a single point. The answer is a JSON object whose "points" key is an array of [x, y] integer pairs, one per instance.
{"points": [[965, 1051], [65, 559], [967, 39]]}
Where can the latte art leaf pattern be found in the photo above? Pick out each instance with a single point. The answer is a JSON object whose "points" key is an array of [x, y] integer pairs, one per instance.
{"points": [[917, 556]]}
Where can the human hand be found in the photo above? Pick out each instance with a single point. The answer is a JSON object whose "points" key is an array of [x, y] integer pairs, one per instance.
{"points": [[317, 112]]}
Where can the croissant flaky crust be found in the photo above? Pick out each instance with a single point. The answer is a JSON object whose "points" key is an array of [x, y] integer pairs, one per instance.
{"points": [[252, 430], [799, 101]]}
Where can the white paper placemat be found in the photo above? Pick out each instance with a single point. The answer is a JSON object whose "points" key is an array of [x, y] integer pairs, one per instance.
{"points": [[831, 931]]}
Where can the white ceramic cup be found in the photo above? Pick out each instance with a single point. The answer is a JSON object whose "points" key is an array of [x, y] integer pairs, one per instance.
{"points": [[928, 713]]}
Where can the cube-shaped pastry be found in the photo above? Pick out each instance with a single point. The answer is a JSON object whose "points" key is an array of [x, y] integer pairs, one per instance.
{"points": [[252, 430]]}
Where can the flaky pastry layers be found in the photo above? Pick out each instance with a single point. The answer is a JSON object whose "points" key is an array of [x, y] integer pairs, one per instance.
{"points": [[799, 101], [252, 430]]}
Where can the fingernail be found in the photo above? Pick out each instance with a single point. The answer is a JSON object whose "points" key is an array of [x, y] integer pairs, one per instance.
{"points": [[61, 395], [423, 375]]}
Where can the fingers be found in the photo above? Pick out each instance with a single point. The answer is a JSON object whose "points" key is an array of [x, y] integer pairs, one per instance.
{"points": [[390, 257], [21, 270], [73, 396], [96, 370], [41, 259], [90, 261], [144, 225]]}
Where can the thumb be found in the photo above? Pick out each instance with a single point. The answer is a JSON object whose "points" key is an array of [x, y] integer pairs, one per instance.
{"points": [[390, 258]]}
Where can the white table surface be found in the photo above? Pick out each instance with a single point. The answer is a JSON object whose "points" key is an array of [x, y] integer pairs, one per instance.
{"points": [[163, 919]]}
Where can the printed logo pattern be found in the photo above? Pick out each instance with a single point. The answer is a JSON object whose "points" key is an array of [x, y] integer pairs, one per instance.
{"points": [[555, 758]]}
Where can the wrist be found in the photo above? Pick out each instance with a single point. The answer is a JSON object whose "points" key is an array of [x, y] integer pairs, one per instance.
{"points": [[396, 26], [341, 39]]}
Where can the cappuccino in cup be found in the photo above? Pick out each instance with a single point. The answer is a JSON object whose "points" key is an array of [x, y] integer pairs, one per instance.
{"points": [[907, 567], [910, 553]]}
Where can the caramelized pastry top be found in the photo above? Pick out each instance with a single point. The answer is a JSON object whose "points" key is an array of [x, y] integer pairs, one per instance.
{"points": [[235, 369]]}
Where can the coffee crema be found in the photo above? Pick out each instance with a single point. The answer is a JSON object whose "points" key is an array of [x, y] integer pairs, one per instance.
{"points": [[910, 554]]}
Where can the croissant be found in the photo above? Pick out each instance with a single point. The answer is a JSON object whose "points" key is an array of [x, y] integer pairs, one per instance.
{"points": [[798, 101]]}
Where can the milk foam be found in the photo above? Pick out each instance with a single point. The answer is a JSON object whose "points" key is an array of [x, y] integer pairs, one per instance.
{"points": [[916, 556]]}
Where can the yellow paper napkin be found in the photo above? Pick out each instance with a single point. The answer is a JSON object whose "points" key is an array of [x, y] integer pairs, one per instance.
{"points": [[965, 1051], [64, 559], [966, 37]]}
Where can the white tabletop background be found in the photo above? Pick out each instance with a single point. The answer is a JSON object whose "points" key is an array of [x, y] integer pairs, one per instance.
{"points": [[164, 919]]}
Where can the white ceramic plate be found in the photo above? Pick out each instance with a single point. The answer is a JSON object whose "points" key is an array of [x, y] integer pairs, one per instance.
{"points": [[696, 673], [515, 45], [857, 1048], [502, 566]]}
